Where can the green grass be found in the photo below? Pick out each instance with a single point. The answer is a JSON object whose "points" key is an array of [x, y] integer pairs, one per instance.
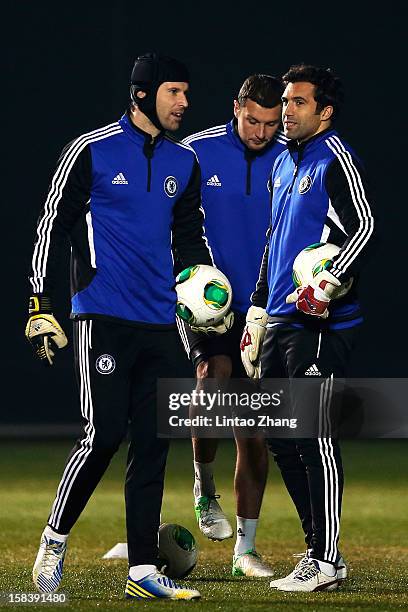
{"points": [[374, 531]]}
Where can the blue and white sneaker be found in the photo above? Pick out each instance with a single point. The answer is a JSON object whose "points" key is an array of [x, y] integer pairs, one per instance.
{"points": [[47, 570], [157, 585]]}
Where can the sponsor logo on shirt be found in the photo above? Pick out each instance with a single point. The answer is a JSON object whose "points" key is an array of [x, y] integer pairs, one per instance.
{"points": [[120, 179], [214, 181]]}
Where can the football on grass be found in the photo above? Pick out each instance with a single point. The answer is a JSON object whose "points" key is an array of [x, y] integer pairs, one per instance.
{"points": [[204, 295], [177, 550], [314, 259]]}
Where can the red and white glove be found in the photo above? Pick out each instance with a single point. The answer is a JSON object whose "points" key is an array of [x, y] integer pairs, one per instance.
{"points": [[315, 298], [252, 340]]}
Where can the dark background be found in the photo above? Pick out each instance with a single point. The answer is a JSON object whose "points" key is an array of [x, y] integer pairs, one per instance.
{"points": [[67, 68]]}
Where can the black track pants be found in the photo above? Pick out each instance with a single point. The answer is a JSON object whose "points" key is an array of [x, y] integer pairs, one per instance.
{"points": [[117, 368], [311, 467]]}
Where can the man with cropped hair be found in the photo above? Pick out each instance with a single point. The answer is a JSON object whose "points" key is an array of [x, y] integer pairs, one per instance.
{"points": [[236, 161]]}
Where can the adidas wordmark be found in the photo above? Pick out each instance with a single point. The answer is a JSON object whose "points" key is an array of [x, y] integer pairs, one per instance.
{"points": [[313, 371], [214, 181], [120, 179]]}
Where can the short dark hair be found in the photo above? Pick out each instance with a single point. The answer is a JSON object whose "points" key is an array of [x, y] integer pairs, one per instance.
{"points": [[263, 89], [329, 88]]}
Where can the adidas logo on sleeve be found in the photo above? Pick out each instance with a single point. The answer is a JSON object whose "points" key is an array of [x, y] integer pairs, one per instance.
{"points": [[214, 181], [120, 179]]}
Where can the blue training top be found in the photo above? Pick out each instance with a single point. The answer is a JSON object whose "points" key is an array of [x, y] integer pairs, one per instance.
{"points": [[236, 202]]}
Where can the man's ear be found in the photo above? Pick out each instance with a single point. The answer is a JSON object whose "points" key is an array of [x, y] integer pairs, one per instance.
{"points": [[327, 113], [237, 108]]}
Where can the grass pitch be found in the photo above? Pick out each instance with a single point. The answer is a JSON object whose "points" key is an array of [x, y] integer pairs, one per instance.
{"points": [[373, 539]]}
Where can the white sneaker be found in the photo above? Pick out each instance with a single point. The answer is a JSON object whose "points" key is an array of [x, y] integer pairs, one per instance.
{"points": [[341, 569], [211, 519], [310, 578], [250, 563], [158, 586], [47, 570], [275, 584]]}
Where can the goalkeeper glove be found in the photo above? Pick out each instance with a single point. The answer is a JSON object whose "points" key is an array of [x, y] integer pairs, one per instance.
{"points": [[43, 330], [315, 298], [252, 339], [216, 330]]}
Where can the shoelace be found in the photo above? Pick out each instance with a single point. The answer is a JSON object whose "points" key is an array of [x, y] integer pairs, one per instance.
{"points": [[300, 555], [204, 502], [167, 582], [303, 556], [251, 552], [306, 572], [51, 558]]}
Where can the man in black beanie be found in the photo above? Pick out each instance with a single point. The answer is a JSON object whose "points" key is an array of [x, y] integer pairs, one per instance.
{"points": [[128, 198]]}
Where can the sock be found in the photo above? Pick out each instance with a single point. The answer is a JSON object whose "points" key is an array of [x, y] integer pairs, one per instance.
{"points": [[137, 572], [246, 530], [204, 480], [50, 533], [327, 568]]}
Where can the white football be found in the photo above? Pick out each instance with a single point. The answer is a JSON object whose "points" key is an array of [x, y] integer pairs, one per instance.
{"points": [[177, 550], [204, 295], [314, 259]]}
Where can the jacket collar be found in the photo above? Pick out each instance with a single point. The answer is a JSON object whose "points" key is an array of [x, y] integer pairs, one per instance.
{"points": [[138, 135], [308, 145]]}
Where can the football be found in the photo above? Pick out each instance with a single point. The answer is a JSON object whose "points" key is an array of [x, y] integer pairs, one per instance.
{"points": [[177, 550], [204, 295], [314, 259]]}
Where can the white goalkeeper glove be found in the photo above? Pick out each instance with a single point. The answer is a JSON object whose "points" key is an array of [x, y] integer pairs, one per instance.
{"points": [[43, 331], [252, 339], [216, 330]]}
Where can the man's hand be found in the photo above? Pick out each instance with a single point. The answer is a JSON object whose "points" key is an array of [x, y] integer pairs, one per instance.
{"points": [[216, 330], [315, 298], [43, 330], [252, 339]]}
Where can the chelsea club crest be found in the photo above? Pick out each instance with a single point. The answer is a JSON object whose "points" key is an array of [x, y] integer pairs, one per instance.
{"points": [[305, 184], [171, 186], [105, 364]]}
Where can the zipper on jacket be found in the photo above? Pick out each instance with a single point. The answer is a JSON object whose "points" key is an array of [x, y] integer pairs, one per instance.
{"points": [[249, 157], [296, 169], [148, 151]]}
